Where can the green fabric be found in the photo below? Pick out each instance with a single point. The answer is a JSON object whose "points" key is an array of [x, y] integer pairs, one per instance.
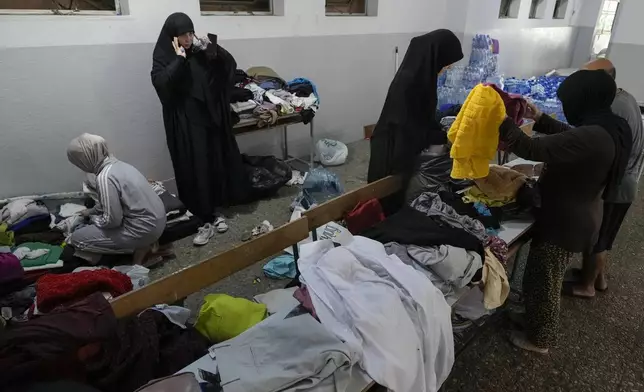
{"points": [[50, 258], [223, 317], [6, 237]]}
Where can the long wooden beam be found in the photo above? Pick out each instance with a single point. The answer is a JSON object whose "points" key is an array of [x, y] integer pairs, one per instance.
{"points": [[199, 276], [336, 208]]}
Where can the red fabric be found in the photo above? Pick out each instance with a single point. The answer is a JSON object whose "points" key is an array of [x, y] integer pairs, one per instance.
{"points": [[515, 105], [54, 290], [365, 216]]}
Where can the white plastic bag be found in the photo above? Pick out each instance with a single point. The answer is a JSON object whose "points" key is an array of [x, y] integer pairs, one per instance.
{"points": [[331, 152], [138, 274]]}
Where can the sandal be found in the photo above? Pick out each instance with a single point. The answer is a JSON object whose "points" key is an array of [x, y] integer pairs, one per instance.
{"points": [[568, 290], [220, 225]]}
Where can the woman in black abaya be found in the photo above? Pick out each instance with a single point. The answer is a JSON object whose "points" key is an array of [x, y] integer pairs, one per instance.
{"points": [[407, 124], [193, 79]]}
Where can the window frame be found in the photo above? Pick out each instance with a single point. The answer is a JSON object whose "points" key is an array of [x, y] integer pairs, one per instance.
{"points": [[270, 12], [510, 4], [344, 13], [602, 29], [558, 4], [118, 11], [535, 7]]}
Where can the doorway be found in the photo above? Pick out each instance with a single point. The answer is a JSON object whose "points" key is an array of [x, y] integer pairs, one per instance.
{"points": [[604, 28]]}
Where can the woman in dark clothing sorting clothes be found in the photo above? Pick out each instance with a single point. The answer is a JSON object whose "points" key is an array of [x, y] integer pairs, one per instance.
{"points": [[193, 78], [407, 124], [583, 165]]}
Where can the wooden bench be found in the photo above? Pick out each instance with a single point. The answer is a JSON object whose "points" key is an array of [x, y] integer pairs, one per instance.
{"points": [[189, 280]]}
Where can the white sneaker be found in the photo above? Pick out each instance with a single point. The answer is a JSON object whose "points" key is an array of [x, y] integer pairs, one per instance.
{"points": [[206, 232]]}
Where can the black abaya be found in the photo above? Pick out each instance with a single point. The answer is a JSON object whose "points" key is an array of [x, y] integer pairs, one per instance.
{"points": [[407, 124], [195, 94]]}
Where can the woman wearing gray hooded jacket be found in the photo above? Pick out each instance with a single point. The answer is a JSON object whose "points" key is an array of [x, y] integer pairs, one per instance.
{"points": [[129, 216]]}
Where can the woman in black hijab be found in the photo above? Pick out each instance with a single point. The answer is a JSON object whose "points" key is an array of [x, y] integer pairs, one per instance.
{"points": [[583, 165], [407, 124], [194, 82]]}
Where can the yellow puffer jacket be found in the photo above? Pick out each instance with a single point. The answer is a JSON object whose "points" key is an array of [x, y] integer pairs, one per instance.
{"points": [[475, 133]]}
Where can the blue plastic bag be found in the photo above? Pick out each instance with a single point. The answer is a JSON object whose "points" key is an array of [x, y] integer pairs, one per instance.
{"points": [[281, 267]]}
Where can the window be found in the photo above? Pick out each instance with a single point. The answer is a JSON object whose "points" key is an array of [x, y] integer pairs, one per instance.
{"points": [[346, 7], [60, 6], [561, 6], [509, 9], [538, 9], [604, 27], [250, 7]]}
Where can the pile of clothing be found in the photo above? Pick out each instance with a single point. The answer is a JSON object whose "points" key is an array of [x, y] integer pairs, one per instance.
{"points": [[262, 94], [83, 341], [450, 242], [395, 324], [22, 216]]}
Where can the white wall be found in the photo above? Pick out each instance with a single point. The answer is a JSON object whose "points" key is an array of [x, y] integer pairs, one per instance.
{"points": [[528, 46], [64, 75], [585, 20], [629, 26], [301, 18], [626, 50]]}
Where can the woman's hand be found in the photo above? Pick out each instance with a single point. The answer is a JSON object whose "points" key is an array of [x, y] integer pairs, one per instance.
{"points": [[178, 49], [533, 112]]}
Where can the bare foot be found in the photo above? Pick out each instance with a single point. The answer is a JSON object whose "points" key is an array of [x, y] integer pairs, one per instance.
{"points": [[601, 284], [521, 341], [583, 291]]}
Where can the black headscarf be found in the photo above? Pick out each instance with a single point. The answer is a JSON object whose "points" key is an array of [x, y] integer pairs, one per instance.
{"points": [[587, 97], [177, 24], [408, 118]]}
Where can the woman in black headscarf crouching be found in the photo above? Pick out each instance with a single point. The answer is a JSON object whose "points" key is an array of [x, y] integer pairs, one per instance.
{"points": [[407, 124], [583, 165], [193, 79]]}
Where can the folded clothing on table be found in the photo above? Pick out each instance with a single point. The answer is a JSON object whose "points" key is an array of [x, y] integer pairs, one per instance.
{"points": [[240, 95], [302, 87], [243, 107]]}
